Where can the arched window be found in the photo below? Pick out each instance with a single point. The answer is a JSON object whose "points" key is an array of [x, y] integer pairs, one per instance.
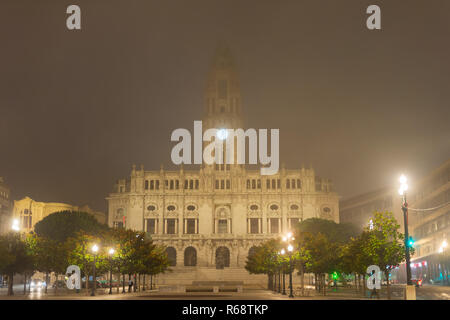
{"points": [[151, 208], [172, 256], [191, 207], [222, 257], [171, 208], [254, 207], [294, 207], [190, 257], [251, 252]]}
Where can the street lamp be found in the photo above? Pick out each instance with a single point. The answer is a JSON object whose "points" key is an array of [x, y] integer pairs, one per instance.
{"points": [[15, 225], [94, 250], [402, 191], [111, 253], [288, 238]]}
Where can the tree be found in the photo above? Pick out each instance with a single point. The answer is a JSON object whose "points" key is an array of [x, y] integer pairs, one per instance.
{"points": [[15, 258], [264, 260], [50, 256], [63, 225], [384, 244]]}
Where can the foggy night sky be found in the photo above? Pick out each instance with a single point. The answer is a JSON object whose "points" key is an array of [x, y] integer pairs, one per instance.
{"points": [[78, 108]]}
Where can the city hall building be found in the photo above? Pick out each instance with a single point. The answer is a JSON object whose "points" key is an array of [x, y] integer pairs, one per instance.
{"points": [[211, 217]]}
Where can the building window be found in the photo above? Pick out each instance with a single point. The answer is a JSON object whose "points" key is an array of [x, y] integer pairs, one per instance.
{"points": [[196, 184], [248, 184], [177, 184], [299, 185], [151, 226], [253, 207], [274, 225], [258, 183], [288, 185], [293, 222], [222, 226], [157, 184], [191, 184], [190, 207], [190, 226], [228, 184], [170, 226], [222, 91], [152, 184], [166, 183], [171, 256], [26, 218], [268, 184], [171, 208], [254, 225], [273, 184], [151, 208], [294, 207], [274, 207], [222, 184], [190, 257], [121, 189], [118, 225], [278, 184], [146, 184]]}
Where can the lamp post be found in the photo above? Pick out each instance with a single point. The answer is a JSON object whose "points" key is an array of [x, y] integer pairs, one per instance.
{"points": [[111, 253], [288, 238], [94, 250], [442, 250], [402, 192], [283, 252]]}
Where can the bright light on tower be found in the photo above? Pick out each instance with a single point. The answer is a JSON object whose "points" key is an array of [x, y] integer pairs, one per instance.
{"points": [[222, 134]]}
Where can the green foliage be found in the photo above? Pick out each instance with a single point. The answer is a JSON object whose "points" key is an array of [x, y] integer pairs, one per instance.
{"points": [[62, 225], [16, 256]]}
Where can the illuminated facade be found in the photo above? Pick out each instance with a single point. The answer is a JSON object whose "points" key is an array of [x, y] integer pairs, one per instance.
{"points": [[211, 217], [5, 207]]}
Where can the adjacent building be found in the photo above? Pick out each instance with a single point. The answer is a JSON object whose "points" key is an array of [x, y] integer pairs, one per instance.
{"points": [[210, 217], [29, 212], [5, 207]]}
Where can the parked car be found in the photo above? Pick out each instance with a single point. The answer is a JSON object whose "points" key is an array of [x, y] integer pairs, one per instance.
{"points": [[37, 284], [59, 284]]}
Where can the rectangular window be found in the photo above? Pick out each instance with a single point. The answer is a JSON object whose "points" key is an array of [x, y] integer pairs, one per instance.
{"points": [[273, 184], [294, 222], [253, 184], [146, 184], [118, 225], [191, 184], [298, 184], [196, 184], [288, 184], [152, 184], [222, 226], [166, 183], [274, 225], [268, 184], [278, 184], [157, 184], [293, 183], [259, 183], [254, 225], [151, 226], [186, 184], [222, 90], [177, 184], [228, 184], [170, 224], [171, 184], [222, 184], [190, 226]]}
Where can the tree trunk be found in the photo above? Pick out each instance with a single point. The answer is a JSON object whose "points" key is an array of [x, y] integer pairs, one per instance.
{"points": [[123, 283], [87, 284], [324, 284], [151, 282], [302, 280], [56, 284], [269, 282], [10, 284], [25, 284], [386, 273], [364, 284]]}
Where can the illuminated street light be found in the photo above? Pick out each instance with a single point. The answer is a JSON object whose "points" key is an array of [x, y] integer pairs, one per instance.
{"points": [[290, 248], [15, 225], [402, 191], [111, 253], [283, 251], [94, 250]]}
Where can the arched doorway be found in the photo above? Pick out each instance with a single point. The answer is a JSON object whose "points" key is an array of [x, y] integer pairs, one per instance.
{"points": [[190, 257], [222, 257], [172, 256], [251, 252]]}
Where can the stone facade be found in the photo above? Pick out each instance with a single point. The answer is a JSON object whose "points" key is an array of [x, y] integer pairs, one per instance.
{"points": [[29, 212], [210, 217], [5, 207]]}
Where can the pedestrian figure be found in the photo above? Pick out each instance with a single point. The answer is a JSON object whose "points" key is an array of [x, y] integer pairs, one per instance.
{"points": [[130, 285], [374, 292]]}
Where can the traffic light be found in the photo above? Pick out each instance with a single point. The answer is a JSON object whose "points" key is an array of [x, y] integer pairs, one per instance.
{"points": [[410, 242]]}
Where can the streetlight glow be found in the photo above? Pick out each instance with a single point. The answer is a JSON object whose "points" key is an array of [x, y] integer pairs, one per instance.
{"points": [[111, 251], [94, 248], [403, 179], [290, 248], [283, 251], [15, 225]]}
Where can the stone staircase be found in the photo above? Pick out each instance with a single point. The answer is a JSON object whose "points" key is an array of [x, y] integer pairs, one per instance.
{"points": [[190, 275]]}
